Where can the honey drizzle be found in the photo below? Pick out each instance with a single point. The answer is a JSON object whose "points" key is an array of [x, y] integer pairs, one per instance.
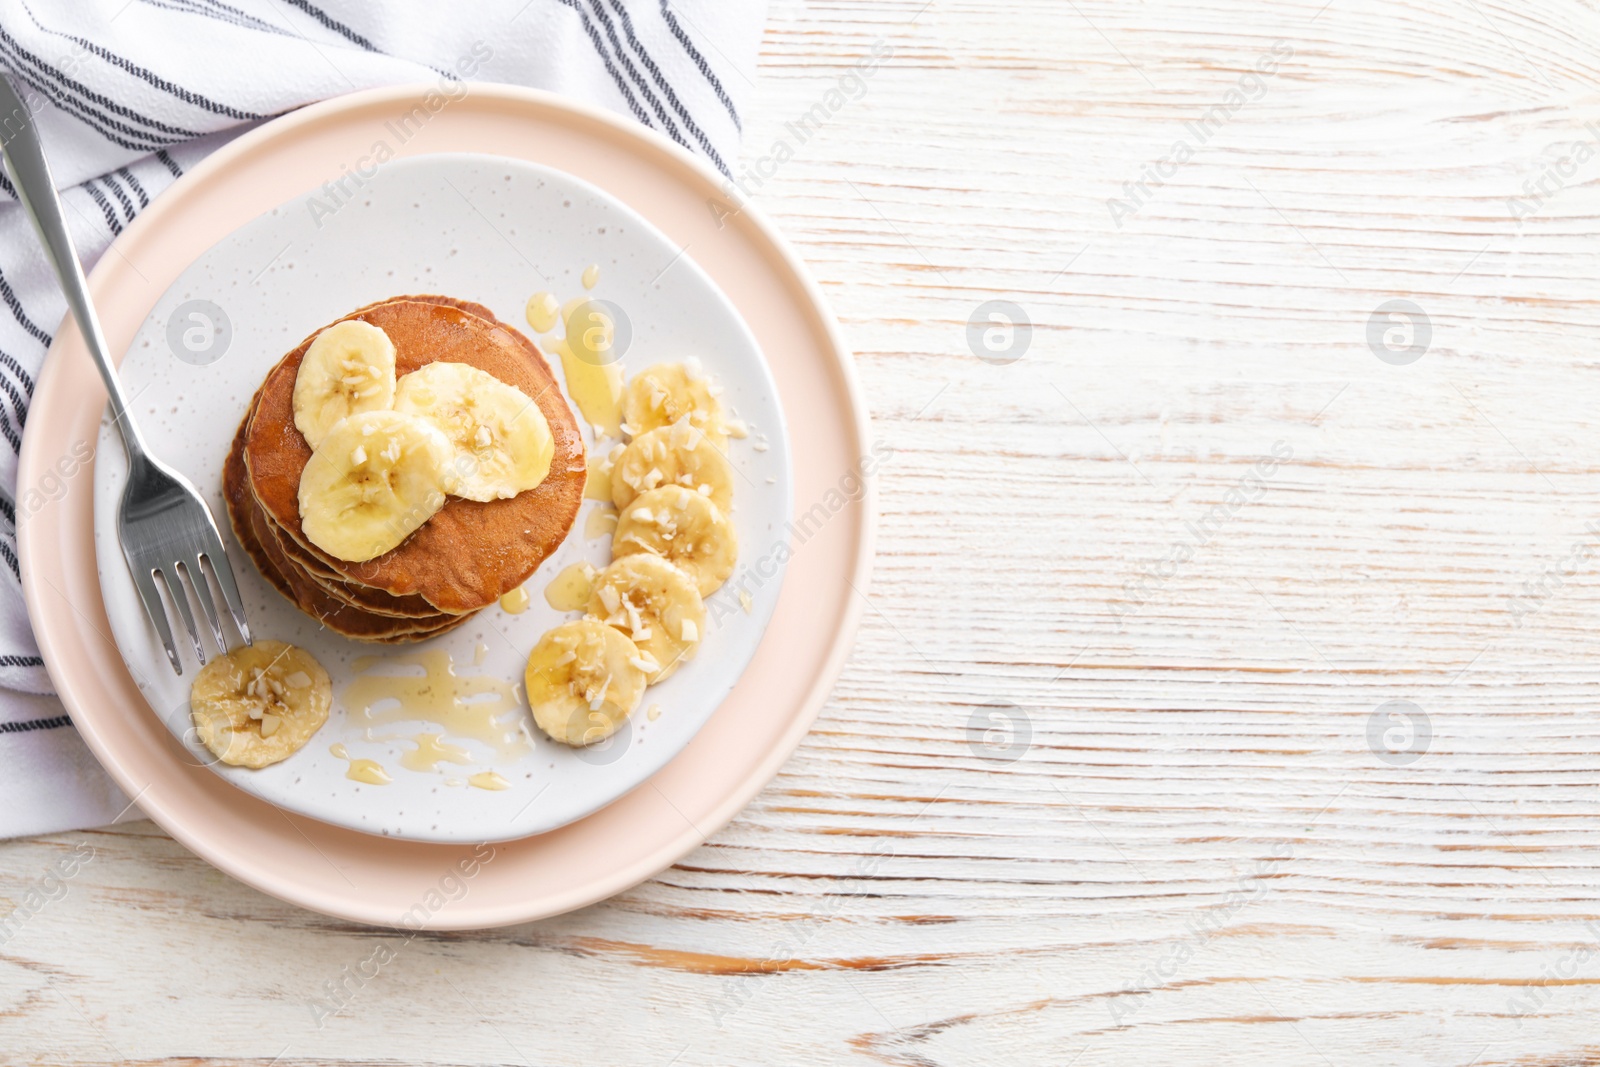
{"points": [[543, 310], [598, 485], [570, 590], [432, 750], [476, 707], [602, 522], [361, 770], [595, 387]]}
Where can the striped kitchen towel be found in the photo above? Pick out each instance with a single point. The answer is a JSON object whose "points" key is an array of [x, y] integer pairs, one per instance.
{"points": [[131, 93]]}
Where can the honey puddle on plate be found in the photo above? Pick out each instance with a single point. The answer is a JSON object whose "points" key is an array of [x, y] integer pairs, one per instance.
{"points": [[595, 388], [476, 707], [598, 484], [543, 311], [361, 770], [515, 602], [602, 522], [588, 361], [488, 780], [570, 590], [594, 376], [432, 750]]}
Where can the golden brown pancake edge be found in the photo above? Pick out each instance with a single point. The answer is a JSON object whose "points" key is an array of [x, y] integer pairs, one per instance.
{"points": [[341, 618]]}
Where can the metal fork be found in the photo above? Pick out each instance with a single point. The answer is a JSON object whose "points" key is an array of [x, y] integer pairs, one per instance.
{"points": [[164, 525]]}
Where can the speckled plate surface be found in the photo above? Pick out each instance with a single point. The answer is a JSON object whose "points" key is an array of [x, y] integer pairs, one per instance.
{"points": [[367, 878], [492, 230]]}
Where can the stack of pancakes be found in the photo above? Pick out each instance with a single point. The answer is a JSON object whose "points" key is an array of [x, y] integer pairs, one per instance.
{"points": [[463, 558]]}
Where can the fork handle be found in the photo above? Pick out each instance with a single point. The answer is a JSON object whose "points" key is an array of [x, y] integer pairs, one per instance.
{"points": [[24, 157]]}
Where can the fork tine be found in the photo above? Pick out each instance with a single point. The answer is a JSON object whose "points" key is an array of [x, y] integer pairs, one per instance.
{"points": [[175, 587], [222, 571], [157, 611], [208, 604]]}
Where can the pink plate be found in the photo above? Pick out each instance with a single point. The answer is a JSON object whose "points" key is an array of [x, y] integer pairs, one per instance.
{"points": [[386, 882]]}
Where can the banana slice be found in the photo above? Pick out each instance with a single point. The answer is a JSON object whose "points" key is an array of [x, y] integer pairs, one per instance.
{"points": [[260, 704], [682, 527], [348, 369], [501, 440], [584, 679], [656, 605], [679, 454], [374, 479], [661, 395]]}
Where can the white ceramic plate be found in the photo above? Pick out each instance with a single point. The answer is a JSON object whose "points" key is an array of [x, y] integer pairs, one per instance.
{"points": [[493, 231]]}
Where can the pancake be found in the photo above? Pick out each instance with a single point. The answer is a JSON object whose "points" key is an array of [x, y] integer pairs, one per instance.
{"points": [[468, 553], [358, 596], [367, 599], [245, 517]]}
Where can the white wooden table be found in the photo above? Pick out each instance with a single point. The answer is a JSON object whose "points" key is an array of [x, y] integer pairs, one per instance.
{"points": [[1174, 563]]}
